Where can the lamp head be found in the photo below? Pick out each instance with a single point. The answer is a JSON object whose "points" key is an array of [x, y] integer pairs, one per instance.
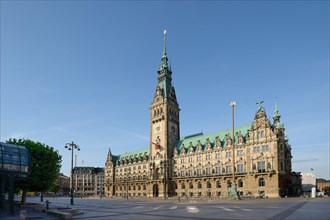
{"points": [[232, 104]]}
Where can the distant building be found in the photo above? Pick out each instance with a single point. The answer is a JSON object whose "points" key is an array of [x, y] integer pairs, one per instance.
{"points": [[308, 181], [200, 165], [295, 186], [63, 183], [88, 181], [323, 185]]}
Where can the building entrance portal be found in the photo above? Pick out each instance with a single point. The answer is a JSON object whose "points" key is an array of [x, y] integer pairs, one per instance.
{"points": [[155, 190]]}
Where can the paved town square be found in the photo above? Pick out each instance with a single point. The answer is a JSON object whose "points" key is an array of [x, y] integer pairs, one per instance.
{"points": [[107, 208]]}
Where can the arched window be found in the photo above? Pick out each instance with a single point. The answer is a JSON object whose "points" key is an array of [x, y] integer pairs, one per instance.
{"points": [[218, 184], [183, 186], [208, 184], [191, 185], [262, 182], [240, 183], [228, 183], [199, 185]]}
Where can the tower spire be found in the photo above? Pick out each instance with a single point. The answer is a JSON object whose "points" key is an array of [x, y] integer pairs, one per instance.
{"points": [[277, 116], [164, 57], [109, 155]]}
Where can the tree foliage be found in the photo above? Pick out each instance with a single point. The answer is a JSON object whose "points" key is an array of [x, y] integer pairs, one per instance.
{"points": [[45, 164]]}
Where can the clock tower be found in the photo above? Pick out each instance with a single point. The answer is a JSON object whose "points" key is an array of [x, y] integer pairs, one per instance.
{"points": [[164, 114]]}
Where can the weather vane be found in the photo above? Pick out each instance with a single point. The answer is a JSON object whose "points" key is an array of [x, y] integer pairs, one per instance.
{"points": [[259, 104]]}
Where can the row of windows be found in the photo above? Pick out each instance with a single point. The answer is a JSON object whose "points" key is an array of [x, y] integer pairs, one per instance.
{"points": [[240, 183], [256, 149], [138, 187], [217, 156], [160, 111], [263, 148], [208, 171], [85, 188], [132, 178], [131, 194], [129, 169]]}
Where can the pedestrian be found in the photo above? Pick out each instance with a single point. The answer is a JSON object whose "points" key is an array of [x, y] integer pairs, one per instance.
{"points": [[23, 215], [179, 199]]}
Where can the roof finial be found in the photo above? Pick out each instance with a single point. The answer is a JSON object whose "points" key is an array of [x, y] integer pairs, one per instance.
{"points": [[276, 108], [259, 105]]}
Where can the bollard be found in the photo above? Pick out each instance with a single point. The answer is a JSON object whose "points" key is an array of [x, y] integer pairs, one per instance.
{"points": [[47, 204]]}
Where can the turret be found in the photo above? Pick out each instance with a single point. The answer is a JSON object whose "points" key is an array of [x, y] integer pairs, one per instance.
{"points": [[277, 117]]}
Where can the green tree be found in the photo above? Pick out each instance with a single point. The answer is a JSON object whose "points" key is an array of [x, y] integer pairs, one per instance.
{"points": [[55, 188], [45, 164]]}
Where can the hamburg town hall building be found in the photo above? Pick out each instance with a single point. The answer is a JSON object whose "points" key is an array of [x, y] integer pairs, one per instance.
{"points": [[200, 165]]}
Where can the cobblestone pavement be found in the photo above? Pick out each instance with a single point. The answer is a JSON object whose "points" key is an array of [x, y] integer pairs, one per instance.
{"points": [[110, 208]]}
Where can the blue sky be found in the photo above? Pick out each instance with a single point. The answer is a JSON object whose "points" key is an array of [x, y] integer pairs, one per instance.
{"points": [[87, 71]]}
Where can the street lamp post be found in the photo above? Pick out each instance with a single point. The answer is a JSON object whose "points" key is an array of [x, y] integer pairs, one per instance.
{"points": [[233, 192], [71, 146], [164, 179]]}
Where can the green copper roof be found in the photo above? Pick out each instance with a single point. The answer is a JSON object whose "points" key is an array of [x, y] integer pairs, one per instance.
{"points": [[279, 125], [165, 86], [211, 136], [140, 153]]}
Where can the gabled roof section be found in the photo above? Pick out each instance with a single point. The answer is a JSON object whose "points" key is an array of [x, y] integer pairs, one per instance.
{"points": [[211, 136]]}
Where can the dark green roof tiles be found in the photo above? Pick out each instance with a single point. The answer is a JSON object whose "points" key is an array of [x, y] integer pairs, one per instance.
{"points": [[211, 136], [138, 153]]}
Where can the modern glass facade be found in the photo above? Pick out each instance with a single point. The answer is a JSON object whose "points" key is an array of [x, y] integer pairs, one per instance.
{"points": [[14, 159]]}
